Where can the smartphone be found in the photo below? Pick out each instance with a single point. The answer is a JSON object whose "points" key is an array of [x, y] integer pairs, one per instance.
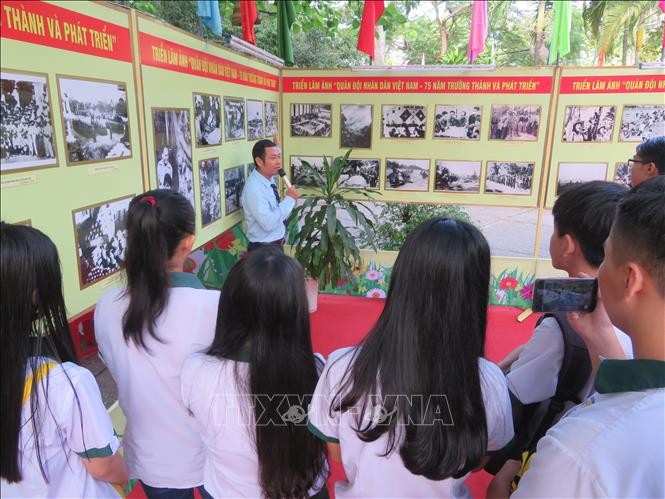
{"points": [[565, 295]]}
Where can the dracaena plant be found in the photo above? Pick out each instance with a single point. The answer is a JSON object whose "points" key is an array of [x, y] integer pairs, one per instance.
{"points": [[323, 244]]}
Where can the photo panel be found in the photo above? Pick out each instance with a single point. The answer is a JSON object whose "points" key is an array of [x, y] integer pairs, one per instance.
{"points": [[360, 173], [519, 123], [407, 174], [403, 122], [234, 181], [255, 129], [207, 120], [299, 175], [577, 173], [26, 128], [209, 187], [356, 126], [270, 115], [639, 123], [95, 120], [234, 119], [173, 151], [588, 123], [509, 177], [101, 239], [457, 122], [250, 168], [622, 173], [457, 176], [311, 120]]}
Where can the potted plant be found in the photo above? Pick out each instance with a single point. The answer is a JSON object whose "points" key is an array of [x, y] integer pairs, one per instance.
{"points": [[323, 244]]}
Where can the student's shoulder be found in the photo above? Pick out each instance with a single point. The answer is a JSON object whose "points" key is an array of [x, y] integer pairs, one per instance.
{"points": [[63, 377], [341, 357], [110, 297]]}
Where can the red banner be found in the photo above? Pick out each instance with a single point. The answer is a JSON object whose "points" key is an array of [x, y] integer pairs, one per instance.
{"points": [[616, 84], [160, 53], [47, 24], [419, 84]]}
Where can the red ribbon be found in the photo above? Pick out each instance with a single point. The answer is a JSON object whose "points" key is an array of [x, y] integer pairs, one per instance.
{"points": [[148, 199]]}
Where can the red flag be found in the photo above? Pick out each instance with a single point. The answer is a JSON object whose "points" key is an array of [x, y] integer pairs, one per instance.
{"points": [[248, 16], [371, 13]]}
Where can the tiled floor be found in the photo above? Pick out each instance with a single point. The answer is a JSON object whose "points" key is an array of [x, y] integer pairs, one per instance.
{"points": [[106, 384]]}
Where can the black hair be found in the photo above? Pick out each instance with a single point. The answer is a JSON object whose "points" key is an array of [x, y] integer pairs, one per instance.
{"points": [[653, 149], [428, 341], [639, 228], [34, 322], [259, 149], [586, 212], [157, 221], [263, 309]]}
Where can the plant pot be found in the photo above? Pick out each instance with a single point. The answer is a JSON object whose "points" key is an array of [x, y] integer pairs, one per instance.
{"points": [[312, 290]]}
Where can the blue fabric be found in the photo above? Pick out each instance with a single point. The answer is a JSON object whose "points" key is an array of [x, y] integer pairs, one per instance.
{"points": [[264, 214], [169, 493], [208, 11]]}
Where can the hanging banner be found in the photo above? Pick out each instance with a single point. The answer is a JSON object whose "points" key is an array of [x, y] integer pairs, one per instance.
{"points": [[47, 24], [612, 84]]}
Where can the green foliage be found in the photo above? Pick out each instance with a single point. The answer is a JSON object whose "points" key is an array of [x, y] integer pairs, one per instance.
{"points": [[511, 288]]}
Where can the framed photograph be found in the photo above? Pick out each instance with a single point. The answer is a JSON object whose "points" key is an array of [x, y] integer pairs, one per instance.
{"points": [[95, 120], [407, 174], [509, 177], [234, 181], [622, 173], [311, 120], [588, 123], [207, 120], [457, 176], [577, 173], [457, 122], [26, 126], [403, 122], [101, 239], [250, 168], [520, 123], [361, 173], [639, 123], [234, 119], [173, 151], [255, 120], [356, 126], [209, 187], [270, 115], [301, 177]]}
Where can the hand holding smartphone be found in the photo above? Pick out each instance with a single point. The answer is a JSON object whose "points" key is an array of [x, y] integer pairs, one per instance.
{"points": [[565, 294]]}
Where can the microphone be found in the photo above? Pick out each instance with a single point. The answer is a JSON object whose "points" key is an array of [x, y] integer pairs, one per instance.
{"points": [[286, 180]]}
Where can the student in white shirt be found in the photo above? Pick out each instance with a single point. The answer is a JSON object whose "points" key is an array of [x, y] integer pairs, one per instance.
{"points": [[416, 407], [57, 438], [250, 390], [145, 331]]}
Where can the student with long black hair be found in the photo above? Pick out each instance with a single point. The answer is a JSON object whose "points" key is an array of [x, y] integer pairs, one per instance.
{"points": [[57, 438], [249, 391], [145, 331], [416, 407]]}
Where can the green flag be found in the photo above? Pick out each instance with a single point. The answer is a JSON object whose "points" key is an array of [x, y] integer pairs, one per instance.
{"points": [[286, 14], [560, 45]]}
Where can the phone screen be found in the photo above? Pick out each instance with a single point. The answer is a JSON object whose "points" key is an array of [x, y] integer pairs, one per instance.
{"points": [[565, 295]]}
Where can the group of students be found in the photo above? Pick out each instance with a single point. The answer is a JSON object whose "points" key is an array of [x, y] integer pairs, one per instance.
{"points": [[222, 391]]}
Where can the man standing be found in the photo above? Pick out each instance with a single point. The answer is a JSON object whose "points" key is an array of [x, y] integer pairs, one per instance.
{"points": [[648, 161], [265, 214]]}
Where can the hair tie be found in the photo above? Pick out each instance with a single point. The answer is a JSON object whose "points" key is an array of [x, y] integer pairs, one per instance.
{"points": [[148, 199]]}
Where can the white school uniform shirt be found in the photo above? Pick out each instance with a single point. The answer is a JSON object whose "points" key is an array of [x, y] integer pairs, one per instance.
{"points": [[162, 445], [611, 445], [370, 474], [66, 433], [534, 375], [264, 216]]}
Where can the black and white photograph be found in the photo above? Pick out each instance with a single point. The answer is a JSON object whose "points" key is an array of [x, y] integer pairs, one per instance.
{"points": [[520, 123], [26, 126], [509, 177], [250, 168], [588, 123], [457, 176], [94, 113], [639, 123], [173, 151], [100, 239], [407, 174], [234, 119], [207, 120], [360, 173], [403, 122], [234, 181], [457, 122], [356, 126], [301, 176], [311, 120], [255, 120], [270, 115], [622, 173], [578, 173], [211, 195]]}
